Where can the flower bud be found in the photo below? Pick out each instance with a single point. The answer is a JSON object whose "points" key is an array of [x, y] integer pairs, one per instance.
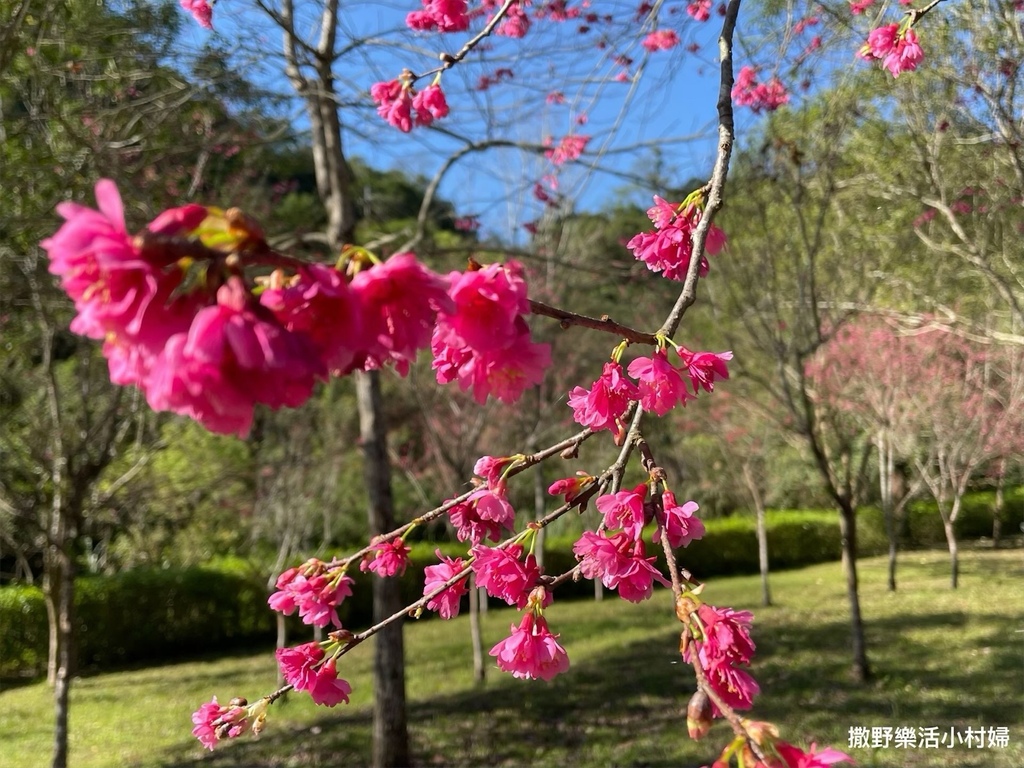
{"points": [[698, 715]]}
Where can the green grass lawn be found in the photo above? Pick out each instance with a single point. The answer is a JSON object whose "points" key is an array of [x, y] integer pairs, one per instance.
{"points": [[941, 658]]}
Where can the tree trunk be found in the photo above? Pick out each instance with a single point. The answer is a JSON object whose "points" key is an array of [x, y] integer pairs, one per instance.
{"points": [[390, 735], [848, 534], [58, 588], [476, 636], [762, 532], [954, 560], [997, 513], [886, 467]]}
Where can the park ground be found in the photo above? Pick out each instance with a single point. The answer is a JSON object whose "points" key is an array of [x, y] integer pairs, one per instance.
{"points": [[943, 658]]}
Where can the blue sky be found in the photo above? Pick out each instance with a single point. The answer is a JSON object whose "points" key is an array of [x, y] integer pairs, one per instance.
{"points": [[665, 109]]}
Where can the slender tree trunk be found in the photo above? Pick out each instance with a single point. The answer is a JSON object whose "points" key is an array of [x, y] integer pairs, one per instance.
{"points": [[997, 513], [65, 658], [762, 532], [390, 734], [848, 535], [886, 466], [476, 636], [949, 528]]}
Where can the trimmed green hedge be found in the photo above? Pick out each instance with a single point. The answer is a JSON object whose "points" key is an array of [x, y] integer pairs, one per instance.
{"points": [[141, 615], [153, 615]]}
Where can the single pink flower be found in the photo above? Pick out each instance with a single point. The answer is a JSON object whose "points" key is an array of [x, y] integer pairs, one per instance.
{"points": [[390, 558], [858, 7], [214, 722], [491, 468], [637, 574], [795, 757], [681, 526], [487, 303], [400, 300], [504, 575], [532, 651], [603, 405], [299, 664], [700, 10], [569, 148], [201, 11], [624, 510], [661, 39], [447, 602], [469, 526], [571, 487], [326, 688], [430, 104], [736, 687], [705, 368], [661, 386], [726, 634]]}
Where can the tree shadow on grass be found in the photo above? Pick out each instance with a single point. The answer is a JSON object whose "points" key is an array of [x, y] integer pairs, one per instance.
{"points": [[627, 706]]}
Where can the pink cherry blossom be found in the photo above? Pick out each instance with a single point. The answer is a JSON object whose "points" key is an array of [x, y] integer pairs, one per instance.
{"points": [[681, 526], [394, 103], [669, 248], [748, 92], [214, 722], [315, 589], [504, 575], [603, 405], [858, 7], [736, 686], [795, 757], [661, 386], [624, 509], [571, 487], [484, 343], [491, 468], [898, 52], [487, 302], [447, 602], [531, 651], [399, 300], [319, 305], [327, 689], [201, 11], [515, 24], [299, 664], [234, 355], [430, 104], [620, 563], [705, 368], [661, 40], [568, 149], [469, 526], [726, 634], [390, 558], [700, 10], [442, 15]]}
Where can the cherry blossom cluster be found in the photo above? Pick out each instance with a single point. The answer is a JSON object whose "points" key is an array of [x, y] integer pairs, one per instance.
{"points": [[569, 148], [205, 345], [404, 107], [482, 340], [660, 40], [315, 589], [440, 16], [659, 388], [896, 46], [532, 651], [719, 639], [759, 96], [214, 722], [669, 248], [617, 555], [201, 11]]}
